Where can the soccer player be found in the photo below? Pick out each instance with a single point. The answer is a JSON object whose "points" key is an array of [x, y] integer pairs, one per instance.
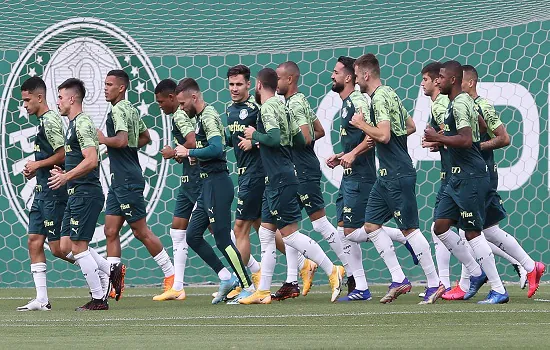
{"points": [[214, 203], [463, 201], [48, 206], [503, 244], [126, 133], [393, 193], [440, 102], [86, 197], [183, 130], [359, 176], [276, 135], [309, 174]]}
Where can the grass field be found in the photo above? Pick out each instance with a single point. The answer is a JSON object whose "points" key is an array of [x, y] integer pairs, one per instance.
{"points": [[136, 322]]}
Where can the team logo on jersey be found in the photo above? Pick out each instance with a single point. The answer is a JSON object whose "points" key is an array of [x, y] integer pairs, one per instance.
{"points": [[344, 113], [67, 50], [243, 114]]}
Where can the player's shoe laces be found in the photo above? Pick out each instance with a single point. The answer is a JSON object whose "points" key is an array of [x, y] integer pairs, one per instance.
{"points": [[288, 290], [94, 305], [35, 305], [413, 254], [226, 286], [356, 295], [534, 278], [233, 294], [495, 298], [171, 294], [351, 284], [256, 278], [396, 289], [475, 285], [118, 271], [432, 294], [335, 280], [258, 297], [168, 282], [456, 293], [243, 294], [522, 274], [307, 272]]}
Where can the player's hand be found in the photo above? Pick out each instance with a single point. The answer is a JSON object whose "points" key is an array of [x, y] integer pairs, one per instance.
{"points": [[100, 137], [358, 120], [29, 171], [182, 152], [58, 178], [167, 152], [347, 160], [432, 146], [430, 135], [192, 160], [370, 142], [333, 161], [244, 144], [248, 132]]}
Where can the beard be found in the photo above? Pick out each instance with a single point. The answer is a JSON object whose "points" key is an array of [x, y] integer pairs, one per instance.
{"points": [[192, 112], [337, 87], [257, 97], [282, 91]]}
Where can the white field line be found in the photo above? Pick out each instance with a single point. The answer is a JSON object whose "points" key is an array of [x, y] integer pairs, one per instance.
{"points": [[77, 320]]}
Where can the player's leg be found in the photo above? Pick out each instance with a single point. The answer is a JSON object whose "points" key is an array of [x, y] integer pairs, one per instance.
{"points": [[35, 243], [355, 198], [402, 202], [472, 194], [376, 214], [178, 231], [442, 254], [84, 215]]}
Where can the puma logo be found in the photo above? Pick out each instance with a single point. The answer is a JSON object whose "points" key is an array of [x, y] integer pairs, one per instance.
{"points": [[128, 213], [240, 210], [211, 210], [74, 229], [52, 232], [307, 205], [348, 217], [472, 222]]}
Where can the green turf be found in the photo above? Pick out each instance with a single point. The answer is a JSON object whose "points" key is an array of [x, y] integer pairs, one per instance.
{"points": [[136, 322]]}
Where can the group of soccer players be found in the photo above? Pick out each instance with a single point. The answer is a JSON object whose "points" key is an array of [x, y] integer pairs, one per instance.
{"points": [[278, 175]]}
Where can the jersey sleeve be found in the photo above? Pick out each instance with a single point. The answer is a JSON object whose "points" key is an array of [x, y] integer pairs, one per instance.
{"points": [[142, 126], [380, 109], [269, 119], [298, 112], [86, 133], [438, 112], [54, 131], [360, 103], [211, 123], [463, 113], [120, 119], [183, 123], [490, 116]]}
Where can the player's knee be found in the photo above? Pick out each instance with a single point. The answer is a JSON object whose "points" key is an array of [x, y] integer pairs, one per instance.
{"points": [[440, 227], [223, 238], [370, 227], [57, 252], [111, 233], [35, 243]]}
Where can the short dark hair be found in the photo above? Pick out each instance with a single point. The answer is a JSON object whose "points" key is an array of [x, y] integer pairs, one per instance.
{"points": [[239, 69], [369, 62], [187, 84], [432, 69], [165, 87], [268, 78], [291, 67], [119, 73], [455, 68], [76, 84], [470, 69], [348, 63], [33, 83]]}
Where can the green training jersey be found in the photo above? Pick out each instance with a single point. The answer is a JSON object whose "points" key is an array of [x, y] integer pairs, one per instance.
{"points": [[492, 119], [395, 161], [210, 125], [304, 158], [465, 162], [239, 116], [82, 134], [277, 160], [437, 118], [124, 162], [182, 125], [48, 140], [364, 166]]}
